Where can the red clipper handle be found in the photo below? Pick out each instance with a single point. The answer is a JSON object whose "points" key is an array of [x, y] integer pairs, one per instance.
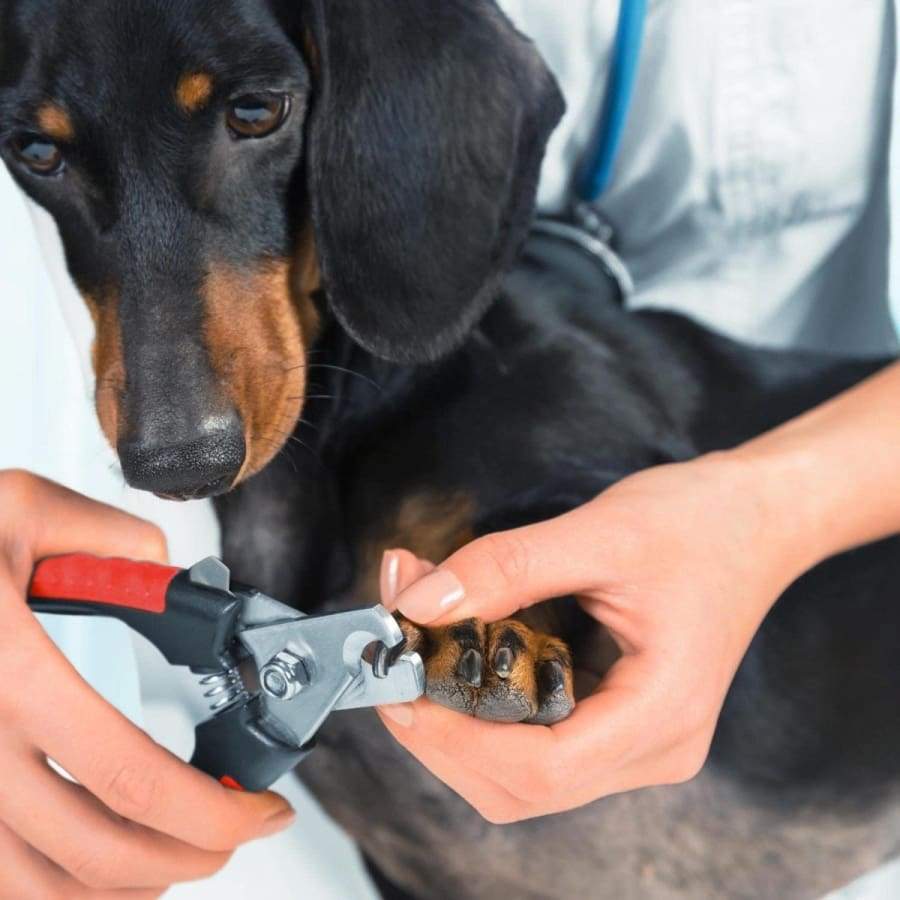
{"points": [[191, 624], [80, 578]]}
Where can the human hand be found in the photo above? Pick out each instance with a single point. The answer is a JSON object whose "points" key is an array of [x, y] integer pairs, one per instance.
{"points": [[680, 563], [140, 820]]}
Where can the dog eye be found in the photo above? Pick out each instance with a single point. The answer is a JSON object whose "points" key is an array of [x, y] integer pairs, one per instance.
{"points": [[257, 115], [40, 155]]}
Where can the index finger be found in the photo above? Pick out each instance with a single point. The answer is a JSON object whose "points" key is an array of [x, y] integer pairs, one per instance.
{"points": [[51, 519], [497, 575]]}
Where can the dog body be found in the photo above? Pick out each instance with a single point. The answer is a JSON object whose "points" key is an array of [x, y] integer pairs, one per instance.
{"points": [[275, 208], [801, 791]]}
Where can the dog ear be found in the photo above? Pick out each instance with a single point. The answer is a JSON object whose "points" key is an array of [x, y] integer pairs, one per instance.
{"points": [[424, 148]]}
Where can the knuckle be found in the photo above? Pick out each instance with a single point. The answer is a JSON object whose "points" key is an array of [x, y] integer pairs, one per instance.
{"points": [[153, 544], [215, 862], [693, 766], [133, 791], [17, 488], [223, 836], [94, 870], [507, 555], [697, 722], [499, 815], [687, 765]]}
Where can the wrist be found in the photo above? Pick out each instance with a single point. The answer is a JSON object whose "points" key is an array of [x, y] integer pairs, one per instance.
{"points": [[767, 493], [785, 482]]}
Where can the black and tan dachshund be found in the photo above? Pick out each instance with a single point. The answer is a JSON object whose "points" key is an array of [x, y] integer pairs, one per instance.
{"points": [[277, 208]]}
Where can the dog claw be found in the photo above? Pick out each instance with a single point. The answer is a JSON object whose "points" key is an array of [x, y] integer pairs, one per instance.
{"points": [[555, 702], [503, 662], [552, 677], [381, 663], [470, 667]]}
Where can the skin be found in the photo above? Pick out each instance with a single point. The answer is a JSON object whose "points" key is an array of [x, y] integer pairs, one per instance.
{"points": [[681, 563], [139, 820]]}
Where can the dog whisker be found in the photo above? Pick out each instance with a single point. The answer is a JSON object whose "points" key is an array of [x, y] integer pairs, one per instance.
{"points": [[293, 440], [283, 452], [365, 378]]}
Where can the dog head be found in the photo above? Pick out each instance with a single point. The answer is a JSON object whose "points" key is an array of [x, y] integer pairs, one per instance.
{"points": [[215, 170]]}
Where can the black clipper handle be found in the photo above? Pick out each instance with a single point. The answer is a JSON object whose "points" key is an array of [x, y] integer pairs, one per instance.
{"points": [[234, 749]]}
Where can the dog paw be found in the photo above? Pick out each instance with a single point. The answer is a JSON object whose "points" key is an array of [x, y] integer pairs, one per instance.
{"points": [[502, 672]]}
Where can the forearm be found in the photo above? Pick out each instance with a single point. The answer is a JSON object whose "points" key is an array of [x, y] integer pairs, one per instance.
{"points": [[828, 480]]}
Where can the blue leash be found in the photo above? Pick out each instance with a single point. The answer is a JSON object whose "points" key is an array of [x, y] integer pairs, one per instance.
{"points": [[597, 168], [587, 228]]}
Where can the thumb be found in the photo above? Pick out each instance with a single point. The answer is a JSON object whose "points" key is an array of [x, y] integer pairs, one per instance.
{"points": [[497, 575]]}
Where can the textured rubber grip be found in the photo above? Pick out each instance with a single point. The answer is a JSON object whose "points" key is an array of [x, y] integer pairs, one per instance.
{"points": [[190, 624], [79, 578]]}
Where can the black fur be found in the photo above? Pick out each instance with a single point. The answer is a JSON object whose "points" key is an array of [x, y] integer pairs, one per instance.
{"points": [[557, 395], [437, 129], [418, 163]]}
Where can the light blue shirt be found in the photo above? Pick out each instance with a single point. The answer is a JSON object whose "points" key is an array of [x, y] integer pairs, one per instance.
{"points": [[750, 190]]}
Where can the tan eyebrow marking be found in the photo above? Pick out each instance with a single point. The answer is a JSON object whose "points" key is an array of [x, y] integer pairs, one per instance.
{"points": [[193, 91], [312, 51], [55, 122]]}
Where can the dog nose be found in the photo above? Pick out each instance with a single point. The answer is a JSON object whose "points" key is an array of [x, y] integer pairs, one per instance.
{"points": [[202, 464]]}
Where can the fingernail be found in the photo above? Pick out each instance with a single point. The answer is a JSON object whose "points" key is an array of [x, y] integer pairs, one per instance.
{"points": [[278, 822], [432, 597], [390, 572], [400, 713]]}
